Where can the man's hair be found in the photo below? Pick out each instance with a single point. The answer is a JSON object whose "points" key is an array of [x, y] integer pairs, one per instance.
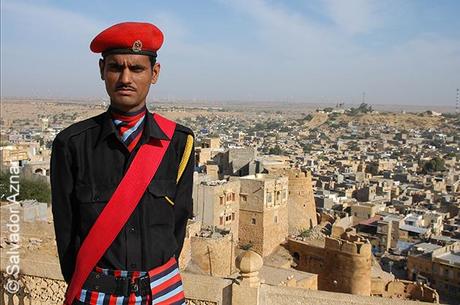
{"points": [[153, 60]]}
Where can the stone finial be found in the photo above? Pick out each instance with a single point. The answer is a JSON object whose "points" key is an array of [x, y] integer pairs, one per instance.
{"points": [[249, 263]]}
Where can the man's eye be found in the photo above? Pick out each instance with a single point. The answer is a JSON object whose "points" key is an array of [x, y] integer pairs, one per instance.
{"points": [[137, 69], [115, 68]]}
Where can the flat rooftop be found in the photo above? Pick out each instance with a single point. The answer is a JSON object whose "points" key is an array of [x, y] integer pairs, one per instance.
{"points": [[451, 258], [427, 247]]}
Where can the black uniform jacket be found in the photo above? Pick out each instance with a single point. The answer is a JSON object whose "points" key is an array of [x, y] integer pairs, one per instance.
{"points": [[88, 161]]}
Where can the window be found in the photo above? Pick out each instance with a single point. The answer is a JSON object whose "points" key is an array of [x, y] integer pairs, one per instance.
{"points": [[244, 198], [296, 257], [269, 197], [253, 221], [233, 196], [221, 220], [276, 219], [233, 216], [221, 200], [228, 218]]}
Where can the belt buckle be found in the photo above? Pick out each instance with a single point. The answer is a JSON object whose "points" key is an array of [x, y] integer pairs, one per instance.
{"points": [[144, 284], [133, 287]]}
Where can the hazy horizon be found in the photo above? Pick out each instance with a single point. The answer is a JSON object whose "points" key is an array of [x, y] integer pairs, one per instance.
{"points": [[259, 104], [322, 51]]}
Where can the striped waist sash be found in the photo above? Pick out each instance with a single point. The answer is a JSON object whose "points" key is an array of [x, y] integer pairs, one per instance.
{"points": [[165, 286]]}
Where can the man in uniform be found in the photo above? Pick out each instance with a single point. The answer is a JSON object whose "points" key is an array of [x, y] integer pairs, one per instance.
{"points": [[89, 159]]}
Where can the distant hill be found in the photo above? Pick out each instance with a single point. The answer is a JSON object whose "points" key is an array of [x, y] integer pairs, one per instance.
{"points": [[399, 120]]}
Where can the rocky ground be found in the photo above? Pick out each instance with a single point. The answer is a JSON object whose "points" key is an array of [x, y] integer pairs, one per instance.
{"points": [[37, 246]]}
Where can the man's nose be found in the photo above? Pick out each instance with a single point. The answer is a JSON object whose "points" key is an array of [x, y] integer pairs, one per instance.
{"points": [[125, 77]]}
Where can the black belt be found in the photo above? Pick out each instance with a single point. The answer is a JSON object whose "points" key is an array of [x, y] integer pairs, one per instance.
{"points": [[120, 286]]}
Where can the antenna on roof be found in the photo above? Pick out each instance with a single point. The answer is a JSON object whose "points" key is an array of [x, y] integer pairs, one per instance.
{"points": [[457, 103]]}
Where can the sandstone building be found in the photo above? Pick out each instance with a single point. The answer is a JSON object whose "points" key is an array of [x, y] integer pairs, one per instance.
{"points": [[263, 212], [301, 201], [341, 265], [438, 266], [216, 204]]}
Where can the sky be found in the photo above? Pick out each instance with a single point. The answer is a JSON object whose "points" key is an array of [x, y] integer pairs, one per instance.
{"points": [[318, 51]]}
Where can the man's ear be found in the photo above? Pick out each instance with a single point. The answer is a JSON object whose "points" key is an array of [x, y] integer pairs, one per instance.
{"points": [[101, 68], [155, 72]]}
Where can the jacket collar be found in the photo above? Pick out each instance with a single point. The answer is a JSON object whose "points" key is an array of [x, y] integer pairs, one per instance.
{"points": [[151, 127]]}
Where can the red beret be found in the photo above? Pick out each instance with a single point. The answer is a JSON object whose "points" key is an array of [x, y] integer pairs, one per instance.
{"points": [[128, 38]]}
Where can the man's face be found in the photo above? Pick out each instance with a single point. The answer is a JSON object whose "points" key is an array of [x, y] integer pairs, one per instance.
{"points": [[127, 79]]}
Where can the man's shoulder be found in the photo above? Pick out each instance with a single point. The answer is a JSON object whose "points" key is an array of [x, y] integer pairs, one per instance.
{"points": [[183, 137], [184, 130], [180, 130], [78, 128]]}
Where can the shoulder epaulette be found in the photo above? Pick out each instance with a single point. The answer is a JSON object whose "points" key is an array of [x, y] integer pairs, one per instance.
{"points": [[184, 129]]}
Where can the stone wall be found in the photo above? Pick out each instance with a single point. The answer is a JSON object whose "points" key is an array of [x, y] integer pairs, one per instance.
{"points": [[193, 229], [409, 290], [276, 295], [214, 255], [250, 233], [274, 231], [301, 202], [238, 160], [208, 290], [216, 203], [342, 266], [35, 290], [345, 266], [263, 222]]}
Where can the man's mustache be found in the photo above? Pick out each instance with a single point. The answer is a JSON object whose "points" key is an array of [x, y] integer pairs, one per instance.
{"points": [[123, 87]]}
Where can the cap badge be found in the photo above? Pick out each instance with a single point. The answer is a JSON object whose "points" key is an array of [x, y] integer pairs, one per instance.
{"points": [[137, 46]]}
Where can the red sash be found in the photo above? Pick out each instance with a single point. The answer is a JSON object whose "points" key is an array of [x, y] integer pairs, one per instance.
{"points": [[120, 207]]}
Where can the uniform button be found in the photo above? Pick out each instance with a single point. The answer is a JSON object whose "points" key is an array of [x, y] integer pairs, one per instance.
{"points": [[132, 229]]}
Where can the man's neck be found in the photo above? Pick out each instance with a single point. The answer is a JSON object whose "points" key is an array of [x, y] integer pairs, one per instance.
{"points": [[128, 108]]}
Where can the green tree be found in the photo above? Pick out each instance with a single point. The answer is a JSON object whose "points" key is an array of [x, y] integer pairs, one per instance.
{"points": [[434, 165], [364, 108], [275, 150], [307, 147], [305, 233], [28, 189], [307, 118]]}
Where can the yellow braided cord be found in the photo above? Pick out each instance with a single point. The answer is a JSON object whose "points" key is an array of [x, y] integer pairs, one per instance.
{"points": [[169, 200], [185, 156]]}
